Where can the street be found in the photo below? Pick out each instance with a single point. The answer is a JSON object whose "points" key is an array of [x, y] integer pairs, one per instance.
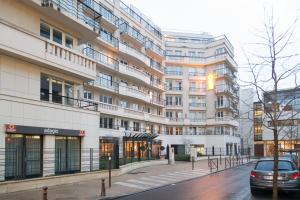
{"points": [[228, 184]]}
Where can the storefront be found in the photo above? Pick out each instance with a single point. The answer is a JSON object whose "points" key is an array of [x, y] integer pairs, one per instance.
{"points": [[24, 151], [109, 149], [137, 146]]}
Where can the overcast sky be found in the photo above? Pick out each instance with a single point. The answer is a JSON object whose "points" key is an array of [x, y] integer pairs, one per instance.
{"points": [[237, 19]]}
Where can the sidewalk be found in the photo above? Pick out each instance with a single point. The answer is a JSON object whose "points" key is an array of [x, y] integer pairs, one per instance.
{"points": [[135, 181]]}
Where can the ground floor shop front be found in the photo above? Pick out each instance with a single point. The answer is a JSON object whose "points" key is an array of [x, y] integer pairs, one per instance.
{"points": [[31, 152], [266, 148]]}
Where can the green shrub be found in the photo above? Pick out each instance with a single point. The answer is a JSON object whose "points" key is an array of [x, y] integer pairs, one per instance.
{"points": [[182, 157]]}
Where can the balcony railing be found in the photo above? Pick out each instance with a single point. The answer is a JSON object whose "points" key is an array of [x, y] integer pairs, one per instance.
{"points": [[197, 105], [125, 28], [155, 48], [133, 72], [196, 73], [197, 119], [134, 53], [109, 39], [173, 73], [148, 25], [224, 88], [78, 9], [226, 104], [69, 101], [156, 65], [195, 89], [101, 58], [225, 73], [105, 13], [105, 83], [176, 119], [173, 104], [174, 89], [157, 100]]}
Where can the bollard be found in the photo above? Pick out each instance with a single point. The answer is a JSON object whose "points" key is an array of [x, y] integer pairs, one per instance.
{"points": [[193, 162], [45, 193], [103, 188]]}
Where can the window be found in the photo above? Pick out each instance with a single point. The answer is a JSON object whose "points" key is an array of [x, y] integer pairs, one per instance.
{"points": [[105, 99], [87, 94], [136, 126], [220, 51], [44, 30], [178, 53], [220, 114], [169, 130], [106, 122], [125, 124], [124, 62], [56, 91], [135, 106], [168, 100], [69, 42], [178, 131], [105, 80], [44, 96], [268, 165], [57, 36], [193, 130], [178, 101], [169, 114], [124, 104], [192, 54], [220, 101]]}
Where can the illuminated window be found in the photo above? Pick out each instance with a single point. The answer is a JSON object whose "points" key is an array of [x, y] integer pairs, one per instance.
{"points": [[210, 82]]}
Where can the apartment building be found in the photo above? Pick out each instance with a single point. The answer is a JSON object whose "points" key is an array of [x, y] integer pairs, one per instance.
{"points": [[202, 93], [288, 122], [80, 81]]}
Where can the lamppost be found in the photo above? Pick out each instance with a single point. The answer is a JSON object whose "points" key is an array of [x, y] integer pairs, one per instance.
{"points": [[109, 171]]}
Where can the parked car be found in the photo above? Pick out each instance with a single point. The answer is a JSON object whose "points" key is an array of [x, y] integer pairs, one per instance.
{"points": [[261, 177], [293, 156]]}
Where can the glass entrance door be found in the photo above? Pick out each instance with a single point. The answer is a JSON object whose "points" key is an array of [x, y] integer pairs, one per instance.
{"points": [[109, 148], [67, 154], [23, 156]]}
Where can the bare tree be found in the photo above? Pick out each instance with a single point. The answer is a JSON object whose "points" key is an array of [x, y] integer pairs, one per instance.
{"points": [[271, 66]]}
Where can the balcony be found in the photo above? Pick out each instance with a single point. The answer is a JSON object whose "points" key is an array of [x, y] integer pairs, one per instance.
{"points": [[157, 100], [132, 54], [173, 73], [197, 106], [157, 84], [69, 101], [105, 84], [174, 105], [102, 60], [73, 15], [226, 89], [134, 73], [154, 50], [196, 74], [45, 53], [132, 35], [197, 119], [157, 66], [174, 89], [228, 105], [134, 93], [108, 19], [108, 108], [196, 90], [108, 41]]}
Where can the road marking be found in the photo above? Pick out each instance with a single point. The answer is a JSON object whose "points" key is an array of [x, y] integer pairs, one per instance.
{"points": [[162, 178], [153, 179], [192, 173], [172, 177], [142, 182], [131, 185]]}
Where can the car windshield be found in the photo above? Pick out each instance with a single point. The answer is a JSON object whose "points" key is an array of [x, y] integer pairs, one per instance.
{"points": [[268, 165]]}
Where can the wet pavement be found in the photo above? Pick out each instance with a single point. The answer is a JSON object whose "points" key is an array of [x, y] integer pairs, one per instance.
{"points": [[228, 184]]}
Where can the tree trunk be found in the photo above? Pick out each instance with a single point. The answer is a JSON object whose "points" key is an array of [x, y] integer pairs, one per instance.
{"points": [[275, 175]]}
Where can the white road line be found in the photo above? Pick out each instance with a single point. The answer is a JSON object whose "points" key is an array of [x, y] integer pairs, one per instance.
{"points": [[142, 182], [163, 178], [153, 180], [180, 175], [192, 173], [171, 177], [131, 185]]}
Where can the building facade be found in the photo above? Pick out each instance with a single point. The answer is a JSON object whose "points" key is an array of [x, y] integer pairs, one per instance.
{"points": [[202, 93], [288, 106], [246, 118], [83, 81]]}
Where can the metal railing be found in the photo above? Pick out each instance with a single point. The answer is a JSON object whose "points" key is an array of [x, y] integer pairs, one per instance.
{"points": [[68, 101], [197, 105], [125, 28], [155, 48], [109, 39], [78, 9], [156, 65], [101, 58], [174, 73], [174, 88]]}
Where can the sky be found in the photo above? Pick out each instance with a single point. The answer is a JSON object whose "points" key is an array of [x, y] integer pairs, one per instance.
{"points": [[239, 20]]}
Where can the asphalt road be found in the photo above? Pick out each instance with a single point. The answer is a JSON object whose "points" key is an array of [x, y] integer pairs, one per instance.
{"points": [[228, 184]]}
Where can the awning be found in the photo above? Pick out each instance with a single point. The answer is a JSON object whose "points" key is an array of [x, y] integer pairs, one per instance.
{"points": [[139, 135]]}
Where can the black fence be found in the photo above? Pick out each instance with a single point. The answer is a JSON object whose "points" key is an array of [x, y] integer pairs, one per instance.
{"points": [[216, 151], [22, 163]]}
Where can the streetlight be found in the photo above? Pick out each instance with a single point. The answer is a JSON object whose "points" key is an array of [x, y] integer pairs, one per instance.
{"points": [[109, 171]]}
